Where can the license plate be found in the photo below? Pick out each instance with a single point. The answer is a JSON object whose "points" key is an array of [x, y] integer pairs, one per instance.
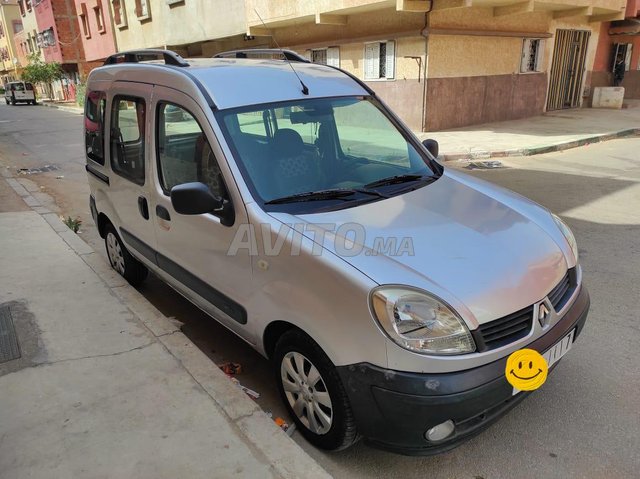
{"points": [[553, 354]]}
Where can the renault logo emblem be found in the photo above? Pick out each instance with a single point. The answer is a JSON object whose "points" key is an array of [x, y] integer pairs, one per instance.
{"points": [[543, 314]]}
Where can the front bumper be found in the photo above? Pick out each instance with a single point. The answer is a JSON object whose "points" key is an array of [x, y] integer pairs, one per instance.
{"points": [[394, 409]]}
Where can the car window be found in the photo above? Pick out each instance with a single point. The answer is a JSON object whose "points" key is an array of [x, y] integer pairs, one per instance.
{"points": [[366, 135], [17, 87], [94, 125], [252, 123], [319, 144], [184, 153], [128, 137]]}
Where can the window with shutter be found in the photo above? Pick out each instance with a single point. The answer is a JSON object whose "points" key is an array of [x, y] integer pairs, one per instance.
{"points": [[372, 61], [380, 60], [333, 56], [319, 56], [532, 55], [390, 60]]}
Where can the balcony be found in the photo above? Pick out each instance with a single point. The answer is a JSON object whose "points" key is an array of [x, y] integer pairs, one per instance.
{"points": [[266, 15]]}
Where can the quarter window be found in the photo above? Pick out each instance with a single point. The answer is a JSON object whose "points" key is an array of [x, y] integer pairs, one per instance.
{"points": [[94, 126], [184, 153], [127, 137]]}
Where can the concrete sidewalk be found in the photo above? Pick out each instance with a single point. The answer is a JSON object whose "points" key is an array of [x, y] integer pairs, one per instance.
{"points": [[67, 106], [105, 385], [553, 131]]}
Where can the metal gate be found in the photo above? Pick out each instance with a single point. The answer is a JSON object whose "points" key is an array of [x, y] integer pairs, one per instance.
{"points": [[567, 69]]}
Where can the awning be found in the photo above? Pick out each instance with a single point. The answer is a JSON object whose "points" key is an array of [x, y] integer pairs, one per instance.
{"points": [[630, 26]]}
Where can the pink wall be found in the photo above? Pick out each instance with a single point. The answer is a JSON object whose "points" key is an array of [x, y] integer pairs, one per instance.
{"points": [[603, 52], [101, 44], [46, 20], [633, 8]]}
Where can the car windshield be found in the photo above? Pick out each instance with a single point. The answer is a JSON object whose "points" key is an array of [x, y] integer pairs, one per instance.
{"points": [[18, 86], [341, 149]]}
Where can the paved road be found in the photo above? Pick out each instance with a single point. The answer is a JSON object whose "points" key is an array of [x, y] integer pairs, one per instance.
{"points": [[584, 422]]}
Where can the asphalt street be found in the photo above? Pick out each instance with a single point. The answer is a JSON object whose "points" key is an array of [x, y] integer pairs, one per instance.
{"points": [[583, 423]]}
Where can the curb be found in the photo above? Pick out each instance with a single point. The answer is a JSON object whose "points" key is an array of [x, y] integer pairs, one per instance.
{"points": [[539, 150], [272, 445], [69, 109]]}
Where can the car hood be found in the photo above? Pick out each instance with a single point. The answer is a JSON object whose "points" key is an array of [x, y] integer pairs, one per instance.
{"points": [[484, 250]]}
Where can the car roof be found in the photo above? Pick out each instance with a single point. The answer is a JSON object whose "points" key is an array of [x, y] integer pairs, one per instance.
{"points": [[238, 82]]}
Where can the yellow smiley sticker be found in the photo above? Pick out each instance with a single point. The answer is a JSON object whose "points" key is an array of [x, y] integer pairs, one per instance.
{"points": [[526, 370]]}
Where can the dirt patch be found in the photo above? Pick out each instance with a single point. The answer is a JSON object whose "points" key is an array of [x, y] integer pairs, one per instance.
{"points": [[9, 199]]}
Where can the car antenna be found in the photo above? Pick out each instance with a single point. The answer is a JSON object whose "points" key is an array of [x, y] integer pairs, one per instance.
{"points": [[305, 90]]}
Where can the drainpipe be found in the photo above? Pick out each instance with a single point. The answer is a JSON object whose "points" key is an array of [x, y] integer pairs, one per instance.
{"points": [[425, 33]]}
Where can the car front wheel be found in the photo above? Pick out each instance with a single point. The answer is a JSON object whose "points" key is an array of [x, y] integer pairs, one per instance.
{"points": [[121, 260], [313, 393]]}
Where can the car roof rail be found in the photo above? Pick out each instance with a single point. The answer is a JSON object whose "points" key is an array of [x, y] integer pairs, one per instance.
{"points": [[135, 56], [287, 54]]}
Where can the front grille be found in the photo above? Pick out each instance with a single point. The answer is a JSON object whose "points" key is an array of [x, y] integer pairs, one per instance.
{"points": [[563, 290], [504, 330]]}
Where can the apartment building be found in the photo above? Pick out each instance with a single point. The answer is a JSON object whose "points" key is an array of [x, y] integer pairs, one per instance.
{"points": [[617, 59], [192, 28], [58, 33], [96, 32], [449, 63], [10, 24], [26, 42]]}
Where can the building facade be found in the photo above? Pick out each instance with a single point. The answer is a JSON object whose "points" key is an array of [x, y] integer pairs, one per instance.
{"points": [[26, 43], [10, 24], [449, 63], [96, 33], [617, 61], [191, 28]]}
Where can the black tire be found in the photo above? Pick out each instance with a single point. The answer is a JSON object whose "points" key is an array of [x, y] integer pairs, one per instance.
{"points": [[342, 431], [121, 260]]}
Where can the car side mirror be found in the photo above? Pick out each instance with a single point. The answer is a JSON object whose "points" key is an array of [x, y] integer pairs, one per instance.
{"points": [[196, 199], [432, 146]]}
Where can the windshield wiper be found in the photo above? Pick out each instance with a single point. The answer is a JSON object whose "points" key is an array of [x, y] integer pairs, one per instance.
{"points": [[331, 194], [394, 180]]}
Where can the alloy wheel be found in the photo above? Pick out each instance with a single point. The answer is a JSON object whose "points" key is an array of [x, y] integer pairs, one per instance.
{"points": [[306, 392], [114, 251]]}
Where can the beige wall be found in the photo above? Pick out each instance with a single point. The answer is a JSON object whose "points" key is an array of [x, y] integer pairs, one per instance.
{"points": [[189, 22], [494, 55], [352, 58], [8, 13], [372, 25]]}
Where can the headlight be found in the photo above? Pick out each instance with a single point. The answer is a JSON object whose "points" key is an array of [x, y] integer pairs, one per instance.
{"points": [[419, 322], [566, 231]]}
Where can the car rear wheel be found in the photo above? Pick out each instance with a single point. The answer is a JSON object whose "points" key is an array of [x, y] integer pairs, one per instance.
{"points": [[313, 393], [121, 260]]}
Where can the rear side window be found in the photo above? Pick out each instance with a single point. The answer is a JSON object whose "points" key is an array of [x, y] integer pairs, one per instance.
{"points": [[28, 86], [94, 126], [127, 137]]}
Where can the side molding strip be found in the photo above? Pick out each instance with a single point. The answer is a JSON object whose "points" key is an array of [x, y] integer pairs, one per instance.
{"points": [[225, 304], [96, 173]]}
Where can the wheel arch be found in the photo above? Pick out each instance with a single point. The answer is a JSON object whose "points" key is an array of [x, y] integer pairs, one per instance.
{"points": [[273, 332], [103, 221]]}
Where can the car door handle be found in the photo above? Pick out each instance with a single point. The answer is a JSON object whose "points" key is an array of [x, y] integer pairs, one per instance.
{"points": [[163, 213], [143, 207]]}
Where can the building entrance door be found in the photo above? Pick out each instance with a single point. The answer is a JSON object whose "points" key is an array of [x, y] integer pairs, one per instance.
{"points": [[567, 69]]}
